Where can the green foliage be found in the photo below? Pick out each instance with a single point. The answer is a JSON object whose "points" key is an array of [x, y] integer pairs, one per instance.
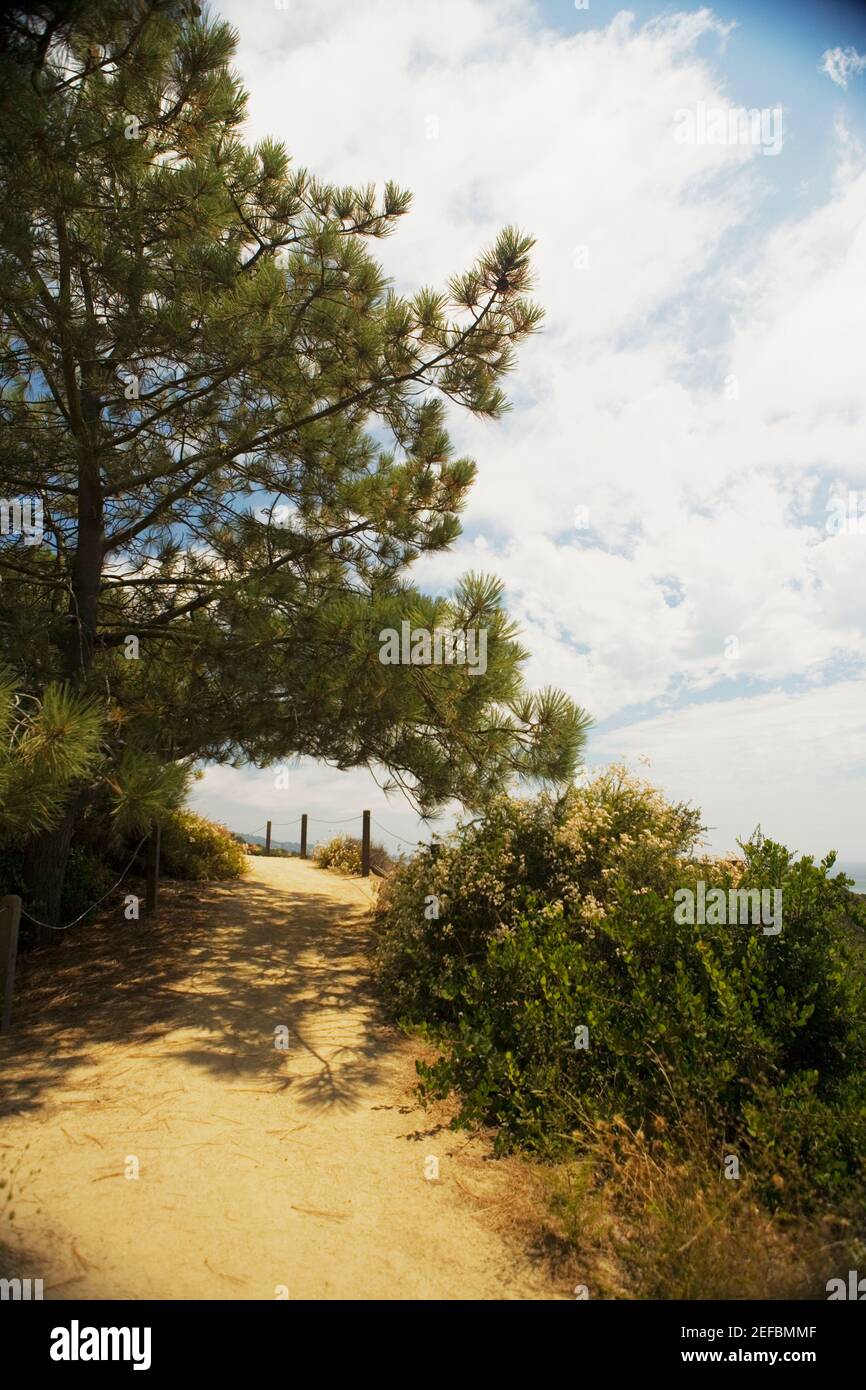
{"points": [[343, 855], [45, 748], [195, 848], [11, 871], [237, 427], [54, 747], [145, 791], [559, 914], [85, 881]]}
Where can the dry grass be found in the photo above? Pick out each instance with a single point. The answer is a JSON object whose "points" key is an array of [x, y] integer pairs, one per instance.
{"points": [[647, 1221], [642, 1216]]}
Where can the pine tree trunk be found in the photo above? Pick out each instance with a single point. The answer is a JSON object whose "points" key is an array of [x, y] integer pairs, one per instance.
{"points": [[45, 857], [46, 854]]}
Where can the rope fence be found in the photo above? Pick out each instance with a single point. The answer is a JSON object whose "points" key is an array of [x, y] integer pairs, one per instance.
{"points": [[305, 821], [82, 915], [302, 821], [12, 909]]}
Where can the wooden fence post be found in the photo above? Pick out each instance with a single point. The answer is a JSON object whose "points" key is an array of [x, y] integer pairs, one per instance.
{"points": [[304, 836], [10, 917], [151, 892], [268, 839], [365, 845]]}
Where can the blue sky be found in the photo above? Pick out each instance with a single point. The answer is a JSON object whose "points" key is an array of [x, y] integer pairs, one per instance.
{"points": [[696, 398]]}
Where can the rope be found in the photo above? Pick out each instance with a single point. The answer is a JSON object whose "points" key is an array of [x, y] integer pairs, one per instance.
{"points": [[36, 920], [347, 820], [277, 825], [394, 834], [314, 820]]}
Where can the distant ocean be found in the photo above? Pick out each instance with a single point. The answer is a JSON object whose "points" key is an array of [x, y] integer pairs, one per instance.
{"points": [[855, 871]]}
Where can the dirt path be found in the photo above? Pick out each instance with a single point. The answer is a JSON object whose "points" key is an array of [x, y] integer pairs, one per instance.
{"points": [[261, 1173]]}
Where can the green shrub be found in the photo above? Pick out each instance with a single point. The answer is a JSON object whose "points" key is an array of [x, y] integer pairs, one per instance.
{"points": [[556, 915], [343, 855], [85, 881], [11, 870], [195, 848]]}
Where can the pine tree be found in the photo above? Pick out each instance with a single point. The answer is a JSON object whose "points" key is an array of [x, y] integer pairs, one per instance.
{"points": [[47, 746], [55, 758], [235, 427]]}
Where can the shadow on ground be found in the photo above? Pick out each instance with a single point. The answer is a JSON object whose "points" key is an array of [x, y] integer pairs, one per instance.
{"points": [[229, 963]]}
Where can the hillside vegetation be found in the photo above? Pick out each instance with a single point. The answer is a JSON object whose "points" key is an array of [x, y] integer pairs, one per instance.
{"points": [[540, 949]]}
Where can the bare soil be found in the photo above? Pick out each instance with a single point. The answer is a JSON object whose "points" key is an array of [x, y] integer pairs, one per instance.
{"points": [[263, 1173]]}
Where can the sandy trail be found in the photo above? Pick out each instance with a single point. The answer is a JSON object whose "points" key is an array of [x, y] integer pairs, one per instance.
{"points": [[261, 1173]]}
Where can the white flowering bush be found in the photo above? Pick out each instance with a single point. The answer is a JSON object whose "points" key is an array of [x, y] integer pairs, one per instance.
{"points": [[541, 949], [575, 854]]}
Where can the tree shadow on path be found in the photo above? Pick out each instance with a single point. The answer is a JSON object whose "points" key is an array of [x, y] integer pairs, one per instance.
{"points": [[208, 980]]}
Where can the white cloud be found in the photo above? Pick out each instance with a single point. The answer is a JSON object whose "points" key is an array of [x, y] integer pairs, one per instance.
{"points": [[842, 63], [739, 760]]}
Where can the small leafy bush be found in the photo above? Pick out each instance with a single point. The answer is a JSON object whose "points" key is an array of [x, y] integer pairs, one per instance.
{"points": [[343, 855], [195, 848], [556, 915]]}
